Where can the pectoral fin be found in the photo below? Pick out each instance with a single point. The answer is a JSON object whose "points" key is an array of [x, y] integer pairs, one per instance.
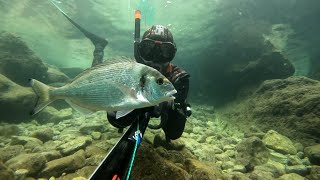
{"points": [[79, 108]]}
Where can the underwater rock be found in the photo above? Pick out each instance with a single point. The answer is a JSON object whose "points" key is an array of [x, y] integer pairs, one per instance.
{"points": [[294, 160], [18, 61], [228, 165], [74, 145], [278, 157], [279, 143], [239, 168], [54, 75], [314, 173], [159, 140], [94, 150], [51, 155], [275, 168], [10, 152], [251, 152], [261, 174], [5, 172], [44, 134], [52, 145], [201, 170], [32, 162], [52, 115], [95, 160], [171, 155], [10, 130], [149, 165], [313, 153], [81, 174], [89, 128], [269, 66], [237, 176], [298, 169], [206, 152], [23, 140], [96, 135], [21, 173], [290, 106], [16, 101], [291, 176], [64, 165]]}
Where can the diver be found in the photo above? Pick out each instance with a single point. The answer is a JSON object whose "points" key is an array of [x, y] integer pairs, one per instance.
{"points": [[157, 49]]}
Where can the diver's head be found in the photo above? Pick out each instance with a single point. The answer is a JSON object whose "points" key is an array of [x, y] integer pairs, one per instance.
{"points": [[157, 46]]}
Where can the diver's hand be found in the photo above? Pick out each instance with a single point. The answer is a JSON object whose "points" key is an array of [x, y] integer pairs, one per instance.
{"points": [[157, 110], [182, 108]]}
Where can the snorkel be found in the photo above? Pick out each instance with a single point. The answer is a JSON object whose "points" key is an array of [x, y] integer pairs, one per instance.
{"points": [[137, 36]]}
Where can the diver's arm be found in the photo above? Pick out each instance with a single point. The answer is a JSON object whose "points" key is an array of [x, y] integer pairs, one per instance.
{"points": [[181, 83], [174, 119]]}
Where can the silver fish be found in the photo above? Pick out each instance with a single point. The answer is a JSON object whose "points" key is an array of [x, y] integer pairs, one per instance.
{"points": [[113, 86]]}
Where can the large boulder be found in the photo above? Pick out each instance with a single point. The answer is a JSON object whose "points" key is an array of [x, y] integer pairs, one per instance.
{"points": [[290, 106], [18, 62], [16, 101], [272, 65], [149, 165], [279, 143]]}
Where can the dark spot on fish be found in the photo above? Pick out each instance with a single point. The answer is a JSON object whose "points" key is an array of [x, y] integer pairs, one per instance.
{"points": [[143, 81], [160, 81]]}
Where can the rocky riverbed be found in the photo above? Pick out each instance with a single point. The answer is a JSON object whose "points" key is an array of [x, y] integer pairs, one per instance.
{"points": [[210, 148]]}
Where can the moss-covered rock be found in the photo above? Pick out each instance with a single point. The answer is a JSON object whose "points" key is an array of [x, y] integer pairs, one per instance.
{"points": [[18, 62], [149, 165], [279, 143], [16, 101], [290, 106], [252, 152], [313, 153]]}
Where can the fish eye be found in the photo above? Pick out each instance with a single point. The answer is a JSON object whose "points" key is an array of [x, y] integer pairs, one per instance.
{"points": [[160, 81]]}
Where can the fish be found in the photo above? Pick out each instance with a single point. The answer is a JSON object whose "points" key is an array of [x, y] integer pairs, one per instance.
{"points": [[118, 85]]}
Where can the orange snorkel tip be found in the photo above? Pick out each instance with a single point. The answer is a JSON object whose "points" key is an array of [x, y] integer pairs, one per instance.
{"points": [[138, 14]]}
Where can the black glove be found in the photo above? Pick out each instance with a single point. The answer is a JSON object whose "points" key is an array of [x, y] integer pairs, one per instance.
{"points": [[182, 108]]}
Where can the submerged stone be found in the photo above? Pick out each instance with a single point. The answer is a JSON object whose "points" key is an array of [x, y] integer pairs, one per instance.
{"points": [[279, 143], [251, 152], [313, 153], [32, 162], [291, 176], [66, 164]]}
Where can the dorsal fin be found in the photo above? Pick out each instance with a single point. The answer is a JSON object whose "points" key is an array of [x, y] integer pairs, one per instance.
{"points": [[120, 59]]}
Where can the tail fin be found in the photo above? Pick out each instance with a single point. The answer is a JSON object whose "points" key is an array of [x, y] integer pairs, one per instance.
{"points": [[43, 95]]}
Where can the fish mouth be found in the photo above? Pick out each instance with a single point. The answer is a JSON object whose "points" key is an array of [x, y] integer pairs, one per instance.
{"points": [[170, 94]]}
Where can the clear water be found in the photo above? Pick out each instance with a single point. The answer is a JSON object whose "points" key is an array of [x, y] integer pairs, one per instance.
{"points": [[218, 42]]}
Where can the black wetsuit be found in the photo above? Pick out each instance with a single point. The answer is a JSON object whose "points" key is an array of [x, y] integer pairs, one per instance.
{"points": [[173, 117]]}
